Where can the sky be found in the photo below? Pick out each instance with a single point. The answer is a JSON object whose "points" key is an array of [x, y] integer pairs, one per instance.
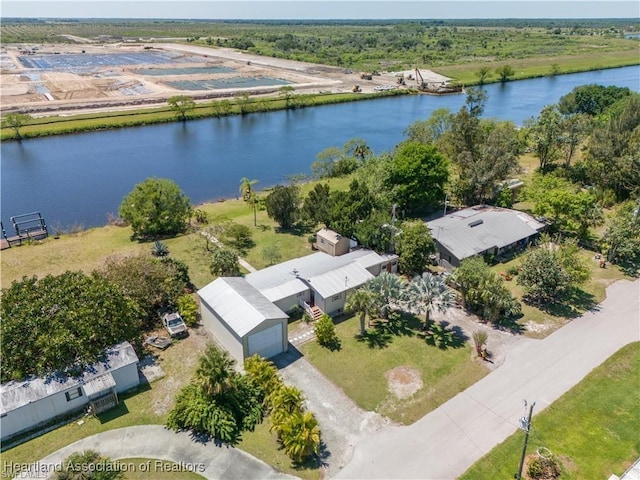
{"points": [[319, 9]]}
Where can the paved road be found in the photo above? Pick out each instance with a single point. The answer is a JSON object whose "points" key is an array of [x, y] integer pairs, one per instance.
{"points": [[156, 442], [447, 441]]}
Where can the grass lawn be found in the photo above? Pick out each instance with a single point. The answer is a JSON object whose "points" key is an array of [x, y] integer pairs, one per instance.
{"points": [[542, 322], [86, 250], [592, 429], [263, 444], [360, 365]]}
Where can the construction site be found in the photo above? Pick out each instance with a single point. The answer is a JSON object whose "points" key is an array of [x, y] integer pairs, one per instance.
{"points": [[59, 78]]}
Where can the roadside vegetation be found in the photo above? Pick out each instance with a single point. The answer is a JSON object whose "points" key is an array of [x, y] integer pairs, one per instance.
{"points": [[590, 430]]}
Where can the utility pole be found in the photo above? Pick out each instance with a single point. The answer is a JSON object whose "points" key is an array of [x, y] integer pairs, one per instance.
{"points": [[446, 196], [525, 424]]}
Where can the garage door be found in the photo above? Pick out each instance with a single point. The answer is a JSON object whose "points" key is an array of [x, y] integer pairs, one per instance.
{"points": [[266, 343]]}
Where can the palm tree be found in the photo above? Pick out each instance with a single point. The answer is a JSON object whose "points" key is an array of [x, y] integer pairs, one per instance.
{"points": [[300, 436], [389, 290], [427, 293], [215, 374], [284, 402], [249, 196], [362, 301]]}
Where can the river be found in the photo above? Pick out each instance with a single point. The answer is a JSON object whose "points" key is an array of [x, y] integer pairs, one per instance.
{"points": [[78, 179]]}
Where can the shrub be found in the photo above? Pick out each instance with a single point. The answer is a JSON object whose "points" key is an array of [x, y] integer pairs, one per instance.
{"points": [[188, 309], [159, 249], [325, 332], [543, 468]]}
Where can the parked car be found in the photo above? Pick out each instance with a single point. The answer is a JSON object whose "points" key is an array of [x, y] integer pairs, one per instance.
{"points": [[174, 324]]}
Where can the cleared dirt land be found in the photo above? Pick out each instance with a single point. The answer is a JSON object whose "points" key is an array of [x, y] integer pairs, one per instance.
{"points": [[50, 79]]}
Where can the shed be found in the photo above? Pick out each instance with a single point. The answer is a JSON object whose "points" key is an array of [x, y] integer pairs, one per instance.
{"points": [[34, 402], [242, 319], [332, 242]]}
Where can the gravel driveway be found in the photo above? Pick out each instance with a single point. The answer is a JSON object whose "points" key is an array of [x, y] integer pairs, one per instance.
{"points": [[342, 422]]}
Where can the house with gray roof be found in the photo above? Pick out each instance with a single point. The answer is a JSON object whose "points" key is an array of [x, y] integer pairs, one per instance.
{"points": [[247, 314], [34, 402], [481, 230]]}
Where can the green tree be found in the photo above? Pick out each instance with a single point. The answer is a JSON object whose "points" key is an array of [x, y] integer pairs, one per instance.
{"points": [[300, 436], [419, 172], [156, 207], [546, 136], [62, 324], [224, 263], [283, 205], [316, 206], [485, 151], [543, 275], [414, 246], [16, 121], [153, 284], [591, 99], [621, 239], [215, 374], [271, 254], [249, 195], [480, 338], [325, 332], [182, 106], [427, 293], [505, 72], [238, 236], [264, 376], [612, 159], [244, 102], [363, 302], [376, 231], [286, 92], [349, 208], [432, 129], [88, 465], [482, 73]]}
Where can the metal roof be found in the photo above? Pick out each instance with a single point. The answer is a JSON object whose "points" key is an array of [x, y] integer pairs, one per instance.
{"points": [[14, 395], [473, 230], [239, 303], [340, 279], [99, 384], [305, 267]]}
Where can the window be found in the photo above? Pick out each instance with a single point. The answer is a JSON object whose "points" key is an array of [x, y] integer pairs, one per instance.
{"points": [[321, 240], [73, 394], [300, 294], [336, 298]]}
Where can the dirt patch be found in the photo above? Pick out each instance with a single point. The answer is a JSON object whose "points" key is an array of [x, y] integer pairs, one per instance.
{"points": [[404, 381], [178, 362]]}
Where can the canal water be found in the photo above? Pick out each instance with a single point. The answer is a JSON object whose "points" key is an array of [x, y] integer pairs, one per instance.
{"points": [[79, 179]]}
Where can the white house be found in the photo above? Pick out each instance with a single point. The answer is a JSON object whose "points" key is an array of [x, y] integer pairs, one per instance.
{"points": [[30, 403], [481, 230], [247, 315]]}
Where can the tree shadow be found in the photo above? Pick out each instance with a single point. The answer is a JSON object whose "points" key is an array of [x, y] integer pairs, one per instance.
{"points": [[443, 337], [510, 324], [574, 304], [333, 345], [298, 230], [263, 228], [375, 338]]}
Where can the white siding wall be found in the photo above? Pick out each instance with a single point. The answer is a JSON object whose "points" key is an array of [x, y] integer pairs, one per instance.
{"points": [[126, 377], [286, 303], [222, 333], [334, 305], [39, 412]]}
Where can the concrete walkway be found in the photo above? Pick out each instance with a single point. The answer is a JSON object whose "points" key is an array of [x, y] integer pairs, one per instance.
{"points": [[155, 442], [446, 442]]}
